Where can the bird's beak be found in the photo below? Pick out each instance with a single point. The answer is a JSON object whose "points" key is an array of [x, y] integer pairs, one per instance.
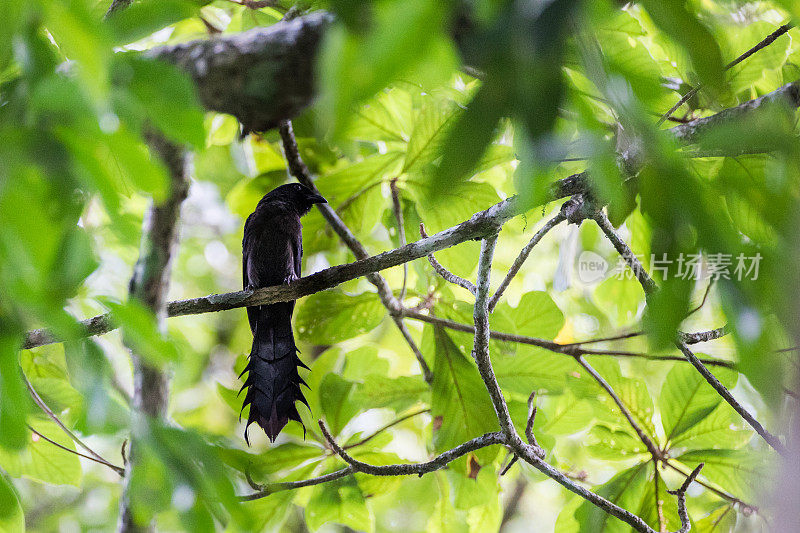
{"points": [[317, 199]]}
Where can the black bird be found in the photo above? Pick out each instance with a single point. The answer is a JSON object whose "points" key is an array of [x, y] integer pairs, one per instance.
{"points": [[271, 251]]}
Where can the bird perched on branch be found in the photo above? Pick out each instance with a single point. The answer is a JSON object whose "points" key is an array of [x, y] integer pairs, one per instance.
{"points": [[271, 251]]}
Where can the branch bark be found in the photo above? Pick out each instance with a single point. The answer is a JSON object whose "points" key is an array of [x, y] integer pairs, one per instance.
{"points": [[149, 285]]}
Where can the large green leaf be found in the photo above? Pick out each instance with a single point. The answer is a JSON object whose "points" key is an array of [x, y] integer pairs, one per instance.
{"points": [[740, 472], [722, 428], [398, 393], [332, 316], [42, 460], [12, 519], [687, 399], [342, 502], [460, 405]]}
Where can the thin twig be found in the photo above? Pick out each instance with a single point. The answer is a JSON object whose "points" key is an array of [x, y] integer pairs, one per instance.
{"points": [[746, 507], [49, 412], [649, 287], [299, 170], [443, 272], [271, 488], [523, 255], [769, 39], [643, 436], [564, 349], [437, 463], [118, 469], [686, 525], [397, 208], [385, 427]]}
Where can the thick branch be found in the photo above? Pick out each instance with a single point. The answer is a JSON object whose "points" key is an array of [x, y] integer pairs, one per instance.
{"points": [[149, 285], [479, 225], [261, 76]]}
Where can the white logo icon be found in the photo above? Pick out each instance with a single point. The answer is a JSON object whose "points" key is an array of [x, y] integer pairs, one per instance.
{"points": [[591, 267]]}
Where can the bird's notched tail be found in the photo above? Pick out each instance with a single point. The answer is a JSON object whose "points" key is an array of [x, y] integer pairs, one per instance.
{"points": [[273, 382]]}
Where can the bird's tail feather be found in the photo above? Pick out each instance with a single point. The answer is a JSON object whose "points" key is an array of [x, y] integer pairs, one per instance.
{"points": [[273, 382]]}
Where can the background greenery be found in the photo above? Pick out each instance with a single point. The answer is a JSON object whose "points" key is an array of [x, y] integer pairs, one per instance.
{"points": [[76, 178]]}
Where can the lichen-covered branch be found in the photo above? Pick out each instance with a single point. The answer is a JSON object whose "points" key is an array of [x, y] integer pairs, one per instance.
{"points": [[479, 225], [444, 273], [261, 76]]}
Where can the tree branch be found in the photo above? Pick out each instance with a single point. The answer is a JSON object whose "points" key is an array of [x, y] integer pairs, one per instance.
{"points": [[149, 285], [443, 272], [649, 287], [480, 224], [437, 463], [769, 39], [523, 256], [644, 437]]}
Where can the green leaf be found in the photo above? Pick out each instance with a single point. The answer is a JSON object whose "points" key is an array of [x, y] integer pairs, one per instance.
{"points": [[740, 472], [398, 393], [625, 489], [430, 129], [721, 520], [723, 428], [42, 460], [334, 395], [620, 299], [687, 399], [342, 502], [171, 105], [605, 443], [460, 405], [143, 18], [533, 369], [440, 209], [341, 184], [140, 330], [387, 117], [355, 66], [673, 17], [12, 519], [14, 399], [344, 316], [536, 315]]}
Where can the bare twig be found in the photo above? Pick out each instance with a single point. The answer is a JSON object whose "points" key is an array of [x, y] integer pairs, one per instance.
{"points": [[643, 436], [744, 506], [118, 469], [437, 463], [531, 419], [300, 171], [649, 287], [523, 255], [513, 501], [565, 349], [49, 412], [769, 39], [686, 525], [385, 427], [397, 208], [443, 272], [271, 488]]}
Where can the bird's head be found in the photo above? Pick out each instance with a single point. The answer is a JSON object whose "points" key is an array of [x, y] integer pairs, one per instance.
{"points": [[297, 195]]}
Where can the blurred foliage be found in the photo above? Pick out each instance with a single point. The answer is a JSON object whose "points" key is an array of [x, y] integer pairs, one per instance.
{"points": [[460, 104]]}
